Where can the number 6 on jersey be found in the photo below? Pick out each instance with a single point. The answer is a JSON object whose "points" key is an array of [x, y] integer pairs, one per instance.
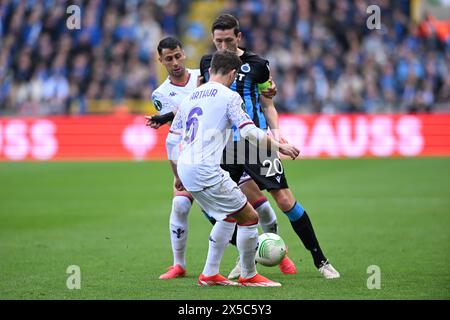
{"points": [[192, 123]]}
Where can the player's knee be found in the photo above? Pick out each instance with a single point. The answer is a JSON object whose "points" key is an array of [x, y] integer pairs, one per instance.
{"points": [[284, 199], [251, 191], [250, 218], [259, 202], [255, 216], [181, 205]]}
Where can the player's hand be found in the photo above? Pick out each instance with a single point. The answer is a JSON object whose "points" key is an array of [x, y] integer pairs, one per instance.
{"points": [[280, 155], [179, 185], [152, 124], [289, 150], [270, 92]]}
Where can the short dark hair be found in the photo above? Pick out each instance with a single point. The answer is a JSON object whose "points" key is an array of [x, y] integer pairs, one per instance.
{"points": [[169, 43], [224, 61], [224, 22]]}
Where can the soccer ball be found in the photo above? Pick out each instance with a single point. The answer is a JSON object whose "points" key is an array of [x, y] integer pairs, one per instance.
{"points": [[271, 250]]}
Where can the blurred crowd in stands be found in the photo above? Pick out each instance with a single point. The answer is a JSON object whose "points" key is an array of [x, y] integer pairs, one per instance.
{"points": [[322, 55], [325, 59], [45, 67]]}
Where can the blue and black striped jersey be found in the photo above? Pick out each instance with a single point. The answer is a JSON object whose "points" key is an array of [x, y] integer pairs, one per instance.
{"points": [[254, 70]]}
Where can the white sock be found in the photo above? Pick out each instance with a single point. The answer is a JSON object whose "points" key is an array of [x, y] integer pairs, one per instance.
{"points": [[219, 238], [179, 228], [267, 218], [247, 241]]}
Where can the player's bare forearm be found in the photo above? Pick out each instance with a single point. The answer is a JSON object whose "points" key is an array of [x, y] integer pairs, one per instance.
{"points": [[284, 148], [258, 137], [271, 115]]}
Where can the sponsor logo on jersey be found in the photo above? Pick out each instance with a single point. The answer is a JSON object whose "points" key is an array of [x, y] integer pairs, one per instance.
{"points": [[245, 68], [239, 77], [172, 94], [158, 104]]}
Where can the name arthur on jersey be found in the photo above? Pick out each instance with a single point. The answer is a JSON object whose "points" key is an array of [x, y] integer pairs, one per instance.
{"points": [[204, 94]]}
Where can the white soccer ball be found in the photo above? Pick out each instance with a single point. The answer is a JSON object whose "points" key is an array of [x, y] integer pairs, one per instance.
{"points": [[271, 249]]}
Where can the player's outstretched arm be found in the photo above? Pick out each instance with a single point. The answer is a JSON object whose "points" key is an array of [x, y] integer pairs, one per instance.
{"points": [[248, 130], [258, 137], [158, 120]]}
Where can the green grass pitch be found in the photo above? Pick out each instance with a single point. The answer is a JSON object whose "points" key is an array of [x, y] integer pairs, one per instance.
{"points": [[111, 220]]}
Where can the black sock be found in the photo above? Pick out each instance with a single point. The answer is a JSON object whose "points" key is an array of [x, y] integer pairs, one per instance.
{"points": [[304, 229]]}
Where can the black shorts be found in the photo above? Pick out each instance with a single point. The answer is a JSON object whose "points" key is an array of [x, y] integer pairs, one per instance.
{"points": [[264, 167]]}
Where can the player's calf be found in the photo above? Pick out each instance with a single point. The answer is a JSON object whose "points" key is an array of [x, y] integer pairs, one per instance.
{"points": [[179, 228]]}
